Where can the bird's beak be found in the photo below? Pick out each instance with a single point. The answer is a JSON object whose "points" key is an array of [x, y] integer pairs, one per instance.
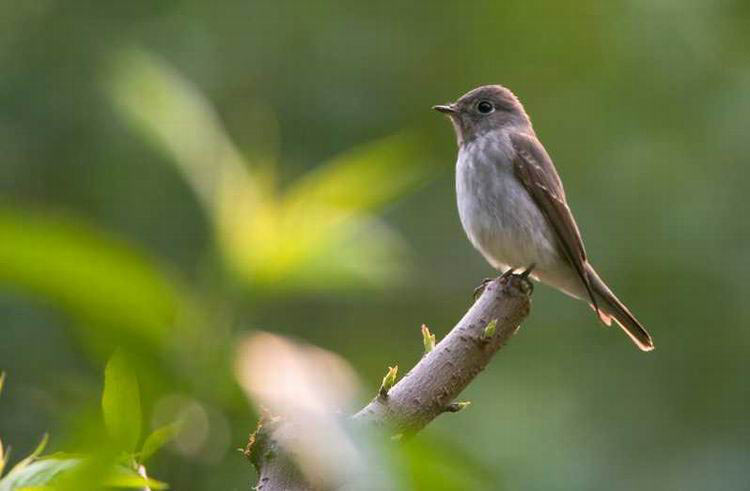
{"points": [[446, 109]]}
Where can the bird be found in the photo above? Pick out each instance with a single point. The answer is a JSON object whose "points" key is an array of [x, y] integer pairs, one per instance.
{"points": [[513, 208]]}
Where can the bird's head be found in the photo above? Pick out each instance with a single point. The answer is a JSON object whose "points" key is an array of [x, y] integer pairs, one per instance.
{"points": [[483, 110]]}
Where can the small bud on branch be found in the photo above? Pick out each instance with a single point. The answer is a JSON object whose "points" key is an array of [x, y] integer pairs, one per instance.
{"points": [[428, 339], [489, 329], [388, 381], [455, 407]]}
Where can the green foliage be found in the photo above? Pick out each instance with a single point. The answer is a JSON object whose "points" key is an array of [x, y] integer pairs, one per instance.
{"points": [[274, 238], [100, 281], [241, 180], [157, 439], [121, 403], [34, 474], [68, 473], [105, 467]]}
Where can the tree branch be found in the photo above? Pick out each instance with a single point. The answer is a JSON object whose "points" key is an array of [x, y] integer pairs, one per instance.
{"points": [[428, 390], [440, 376]]}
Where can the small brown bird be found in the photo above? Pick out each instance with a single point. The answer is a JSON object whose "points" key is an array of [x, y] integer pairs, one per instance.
{"points": [[512, 203]]}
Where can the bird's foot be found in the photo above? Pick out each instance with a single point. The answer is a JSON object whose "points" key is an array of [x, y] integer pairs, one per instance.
{"points": [[526, 284], [526, 272], [524, 275], [480, 289]]}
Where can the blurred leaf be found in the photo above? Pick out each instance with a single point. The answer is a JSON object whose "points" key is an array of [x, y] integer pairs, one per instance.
{"points": [[2, 381], [26, 461], [3, 458], [39, 447], [36, 473], [320, 233], [363, 177], [99, 280], [327, 251], [124, 477], [157, 439], [171, 111], [59, 473], [121, 402]]}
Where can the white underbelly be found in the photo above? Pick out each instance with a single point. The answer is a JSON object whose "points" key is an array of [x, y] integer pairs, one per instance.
{"points": [[500, 218]]}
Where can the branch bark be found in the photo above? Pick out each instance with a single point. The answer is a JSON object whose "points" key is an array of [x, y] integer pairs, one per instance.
{"points": [[440, 376], [428, 390]]}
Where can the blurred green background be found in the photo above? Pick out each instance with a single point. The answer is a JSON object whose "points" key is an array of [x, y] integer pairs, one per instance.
{"points": [[174, 174]]}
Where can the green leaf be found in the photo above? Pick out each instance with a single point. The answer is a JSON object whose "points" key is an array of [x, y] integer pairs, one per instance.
{"points": [[37, 473], [53, 473], [276, 239], [2, 381], [25, 462], [40, 447], [114, 292], [364, 177], [128, 478], [157, 439], [121, 402], [172, 112]]}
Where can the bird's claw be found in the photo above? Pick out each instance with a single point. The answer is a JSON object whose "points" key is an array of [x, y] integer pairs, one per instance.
{"points": [[526, 283], [524, 276], [526, 272], [480, 289]]}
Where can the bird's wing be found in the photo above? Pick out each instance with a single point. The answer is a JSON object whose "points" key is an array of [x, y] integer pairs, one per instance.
{"points": [[534, 168]]}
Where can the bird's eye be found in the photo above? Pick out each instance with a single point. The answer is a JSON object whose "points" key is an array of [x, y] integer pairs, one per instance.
{"points": [[485, 107]]}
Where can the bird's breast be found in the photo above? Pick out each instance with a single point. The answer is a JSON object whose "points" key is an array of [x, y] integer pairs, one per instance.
{"points": [[498, 214]]}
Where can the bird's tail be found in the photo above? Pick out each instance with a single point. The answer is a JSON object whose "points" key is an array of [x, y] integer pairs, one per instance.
{"points": [[610, 307]]}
